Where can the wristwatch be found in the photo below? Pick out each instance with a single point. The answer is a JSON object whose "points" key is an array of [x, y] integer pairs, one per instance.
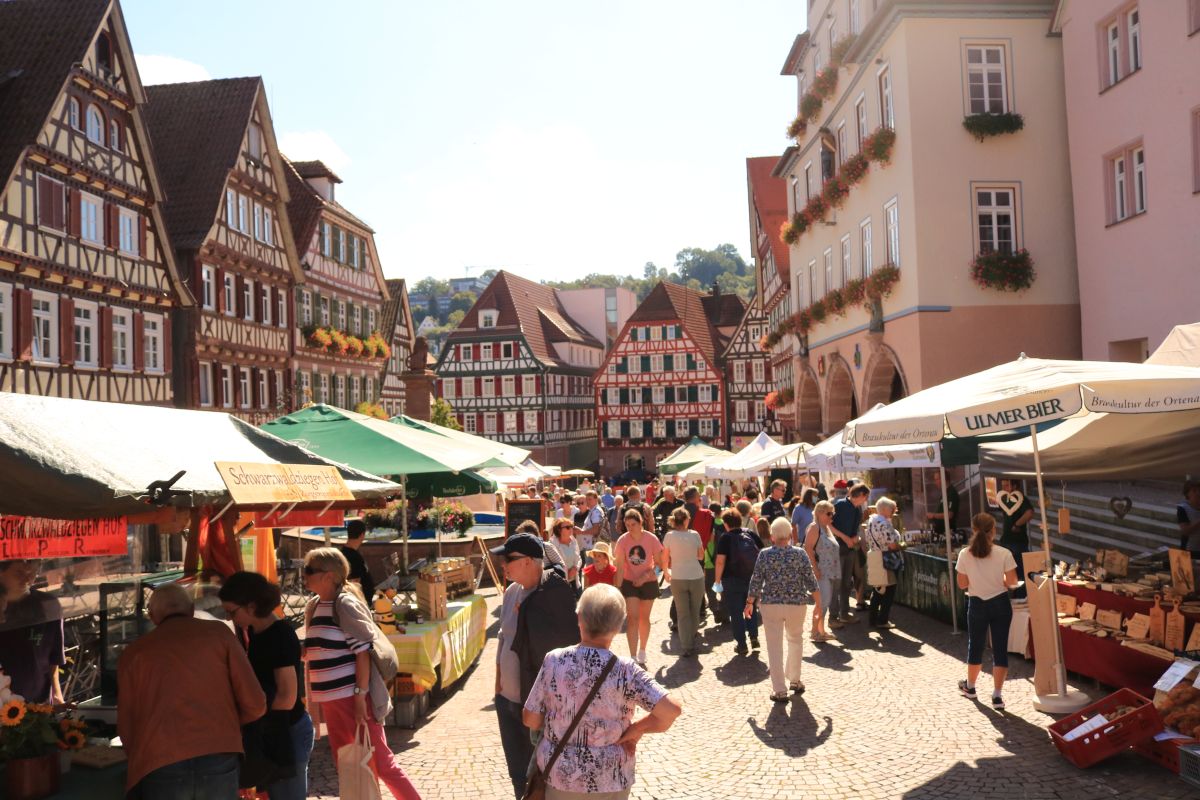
{"points": [[358, 690]]}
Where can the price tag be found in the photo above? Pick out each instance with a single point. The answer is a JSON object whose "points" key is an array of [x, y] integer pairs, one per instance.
{"points": [[1175, 673], [1092, 724], [1087, 611]]}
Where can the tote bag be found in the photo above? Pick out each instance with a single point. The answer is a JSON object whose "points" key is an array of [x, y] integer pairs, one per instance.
{"points": [[356, 776]]}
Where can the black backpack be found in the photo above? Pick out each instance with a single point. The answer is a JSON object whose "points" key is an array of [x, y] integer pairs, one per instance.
{"points": [[743, 554]]}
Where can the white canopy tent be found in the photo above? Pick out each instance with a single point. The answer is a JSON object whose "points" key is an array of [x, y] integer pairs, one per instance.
{"points": [[753, 459]]}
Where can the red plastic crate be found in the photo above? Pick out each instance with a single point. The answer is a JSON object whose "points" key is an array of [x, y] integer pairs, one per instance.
{"points": [[1165, 753], [1106, 741]]}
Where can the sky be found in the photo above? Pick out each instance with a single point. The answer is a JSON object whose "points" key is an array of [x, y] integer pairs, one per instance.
{"points": [[551, 138]]}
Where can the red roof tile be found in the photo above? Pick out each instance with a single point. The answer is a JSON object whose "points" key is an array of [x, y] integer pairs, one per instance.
{"points": [[700, 314], [768, 196]]}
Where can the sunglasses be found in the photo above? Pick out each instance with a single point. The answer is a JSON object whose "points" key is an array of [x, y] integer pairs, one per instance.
{"points": [[310, 571]]}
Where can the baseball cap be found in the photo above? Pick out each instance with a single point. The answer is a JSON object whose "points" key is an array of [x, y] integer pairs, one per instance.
{"points": [[840, 484], [521, 544]]}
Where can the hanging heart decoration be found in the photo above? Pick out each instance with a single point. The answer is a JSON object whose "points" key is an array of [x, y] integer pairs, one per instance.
{"points": [[1120, 506], [1009, 502]]}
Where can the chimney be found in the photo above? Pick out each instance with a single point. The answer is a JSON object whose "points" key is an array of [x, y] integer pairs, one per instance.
{"points": [[716, 289]]}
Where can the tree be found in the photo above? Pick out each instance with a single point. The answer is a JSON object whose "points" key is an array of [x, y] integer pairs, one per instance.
{"points": [[435, 308], [442, 413], [706, 265], [462, 301], [431, 286], [455, 319]]}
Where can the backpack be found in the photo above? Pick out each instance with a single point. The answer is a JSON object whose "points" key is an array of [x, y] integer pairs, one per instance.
{"points": [[743, 554]]}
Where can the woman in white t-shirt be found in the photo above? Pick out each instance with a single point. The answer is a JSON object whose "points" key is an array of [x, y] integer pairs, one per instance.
{"points": [[986, 573], [682, 556]]}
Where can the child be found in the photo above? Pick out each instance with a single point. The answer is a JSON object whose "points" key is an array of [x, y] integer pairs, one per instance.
{"points": [[601, 569]]}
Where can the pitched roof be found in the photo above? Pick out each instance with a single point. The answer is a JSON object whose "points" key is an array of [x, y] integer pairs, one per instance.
{"points": [[700, 314], [392, 307], [305, 203], [315, 169], [532, 308], [768, 196], [40, 42], [197, 131]]}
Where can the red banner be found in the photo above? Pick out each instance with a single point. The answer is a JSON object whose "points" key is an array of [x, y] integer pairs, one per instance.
{"points": [[301, 518], [38, 537]]}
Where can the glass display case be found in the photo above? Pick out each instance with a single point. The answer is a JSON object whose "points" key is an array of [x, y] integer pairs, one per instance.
{"points": [[123, 619]]}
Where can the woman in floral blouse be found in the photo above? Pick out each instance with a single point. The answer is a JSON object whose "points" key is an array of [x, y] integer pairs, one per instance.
{"points": [[784, 584], [597, 762], [882, 536]]}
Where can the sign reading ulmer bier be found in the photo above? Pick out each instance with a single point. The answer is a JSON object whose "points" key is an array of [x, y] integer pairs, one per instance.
{"points": [[261, 484], [37, 537]]}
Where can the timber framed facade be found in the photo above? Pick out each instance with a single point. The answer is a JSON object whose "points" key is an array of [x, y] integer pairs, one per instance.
{"points": [[519, 369], [228, 220], [398, 324], [662, 382], [343, 295], [88, 285], [748, 379]]}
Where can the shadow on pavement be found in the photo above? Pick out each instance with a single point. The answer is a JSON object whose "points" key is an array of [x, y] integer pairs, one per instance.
{"points": [[742, 671], [791, 728], [681, 671], [830, 657]]}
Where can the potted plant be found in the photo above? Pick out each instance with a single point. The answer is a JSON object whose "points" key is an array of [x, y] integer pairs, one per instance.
{"points": [[878, 146], [339, 342], [1005, 272], [797, 128], [981, 126], [31, 737], [854, 169], [354, 346], [318, 339]]}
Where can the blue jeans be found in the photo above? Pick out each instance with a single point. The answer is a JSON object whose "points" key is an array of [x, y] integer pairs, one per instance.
{"points": [[211, 777], [1017, 549], [995, 615], [734, 599], [514, 738], [296, 787]]}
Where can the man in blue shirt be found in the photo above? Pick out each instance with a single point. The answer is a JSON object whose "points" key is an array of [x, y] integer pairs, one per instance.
{"points": [[847, 518], [607, 499]]}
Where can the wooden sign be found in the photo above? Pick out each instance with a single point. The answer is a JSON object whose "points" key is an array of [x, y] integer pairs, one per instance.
{"points": [[1064, 521], [1193, 642], [1042, 621], [1087, 611], [1158, 620], [518, 511], [1183, 580], [1109, 618], [991, 489], [269, 484], [1116, 563], [1067, 604], [1138, 626], [38, 537], [1176, 624]]}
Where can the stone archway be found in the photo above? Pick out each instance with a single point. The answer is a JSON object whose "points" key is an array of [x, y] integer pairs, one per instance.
{"points": [[841, 405], [808, 407], [884, 381]]}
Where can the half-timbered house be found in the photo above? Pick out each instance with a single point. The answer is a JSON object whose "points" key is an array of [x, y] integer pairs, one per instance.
{"points": [[339, 348], [88, 285], [748, 379], [227, 217], [519, 369], [398, 323], [663, 381]]}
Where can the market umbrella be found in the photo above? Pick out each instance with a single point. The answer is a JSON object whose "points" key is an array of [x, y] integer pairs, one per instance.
{"points": [[579, 473], [507, 454], [689, 455], [1024, 394]]}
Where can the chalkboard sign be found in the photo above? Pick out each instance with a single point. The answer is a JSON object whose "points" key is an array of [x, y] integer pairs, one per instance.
{"points": [[517, 511]]}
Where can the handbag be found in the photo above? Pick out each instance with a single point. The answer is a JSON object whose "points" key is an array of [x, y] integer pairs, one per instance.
{"points": [[356, 776], [535, 785], [892, 560], [268, 757]]}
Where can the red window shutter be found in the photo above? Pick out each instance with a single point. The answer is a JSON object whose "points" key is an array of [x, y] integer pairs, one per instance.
{"points": [[74, 213], [254, 387], [195, 398], [139, 343], [217, 385], [59, 201], [112, 227], [45, 201], [142, 235], [272, 389], [66, 330], [166, 343], [219, 288], [239, 295], [104, 337], [23, 327]]}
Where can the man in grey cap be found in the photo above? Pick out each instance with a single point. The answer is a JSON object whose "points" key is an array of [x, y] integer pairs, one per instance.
{"points": [[537, 616]]}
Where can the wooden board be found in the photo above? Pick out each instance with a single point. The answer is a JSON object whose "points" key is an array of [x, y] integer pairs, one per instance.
{"points": [[1176, 624], [1116, 563], [1138, 626], [1109, 618], [1158, 621], [1087, 611], [498, 582], [1183, 580], [518, 511], [1067, 604]]}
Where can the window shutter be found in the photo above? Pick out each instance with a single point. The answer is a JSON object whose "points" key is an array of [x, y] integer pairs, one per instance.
{"points": [[75, 212], [217, 386], [646, 395], [272, 392], [22, 324], [623, 396], [633, 334], [142, 236], [66, 330], [254, 387], [112, 226], [104, 337], [165, 338], [59, 201], [219, 288], [287, 391], [668, 362], [645, 363], [239, 303], [45, 202], [694, 427], [693, 394], [670, 394], [196, 385], [139, 342]]}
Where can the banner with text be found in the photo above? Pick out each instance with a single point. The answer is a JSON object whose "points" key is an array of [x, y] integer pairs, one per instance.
{"points": [[38, 537], [268, 484]]}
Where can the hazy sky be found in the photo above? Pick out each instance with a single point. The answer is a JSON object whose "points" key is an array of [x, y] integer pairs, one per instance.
{"points": [[553, 138]]}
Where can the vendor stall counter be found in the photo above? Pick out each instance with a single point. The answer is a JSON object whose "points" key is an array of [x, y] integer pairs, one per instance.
{"points": [[924, 585]]}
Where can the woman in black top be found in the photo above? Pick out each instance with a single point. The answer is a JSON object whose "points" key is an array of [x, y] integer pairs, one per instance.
{"points": [[250, 601]]}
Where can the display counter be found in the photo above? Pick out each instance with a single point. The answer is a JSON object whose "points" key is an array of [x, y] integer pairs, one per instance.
{"points": [[451, 644], [924, 585]]}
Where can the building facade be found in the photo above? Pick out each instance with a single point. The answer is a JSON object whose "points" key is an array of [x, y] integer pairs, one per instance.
{"points": [[340, 351], [1133, 107], [228, 221], [519, 369], [88, 284], [398, 323], [602, 311], [881, 311], [663, 381]]}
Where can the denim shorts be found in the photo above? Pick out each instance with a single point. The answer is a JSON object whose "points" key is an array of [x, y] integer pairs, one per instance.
{"points": [[647, 591]]}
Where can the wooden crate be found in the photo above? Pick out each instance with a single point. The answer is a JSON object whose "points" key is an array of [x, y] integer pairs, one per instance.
{"points": [[432, 597], [457, 573]]}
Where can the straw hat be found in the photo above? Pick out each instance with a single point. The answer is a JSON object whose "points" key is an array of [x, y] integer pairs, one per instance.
{"points": [[601, 548]]}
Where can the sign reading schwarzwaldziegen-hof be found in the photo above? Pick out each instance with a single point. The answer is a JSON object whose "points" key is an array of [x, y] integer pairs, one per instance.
{"points": [[268, 484], [38, 537]]}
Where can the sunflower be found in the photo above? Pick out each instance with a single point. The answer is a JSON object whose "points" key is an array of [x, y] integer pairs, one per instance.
{"points": [[74, 740], [12, 713]]}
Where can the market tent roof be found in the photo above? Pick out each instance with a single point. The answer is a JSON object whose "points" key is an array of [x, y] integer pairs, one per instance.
{"points": [[690, 454], [376, 445], [1181, 348], [578, 473], [79, 459], [506, 453], [753, 459]]}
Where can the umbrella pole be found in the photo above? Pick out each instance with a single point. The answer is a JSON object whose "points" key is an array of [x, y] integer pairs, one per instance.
{"points": [[404, 522], [949, 551]]}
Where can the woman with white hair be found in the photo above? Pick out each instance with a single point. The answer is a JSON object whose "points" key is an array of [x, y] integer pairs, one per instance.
{"points": [[882, 537], [587, 748], [784, 585]]}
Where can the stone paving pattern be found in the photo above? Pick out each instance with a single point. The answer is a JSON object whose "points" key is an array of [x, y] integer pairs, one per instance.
{"points": [[881, 718]]}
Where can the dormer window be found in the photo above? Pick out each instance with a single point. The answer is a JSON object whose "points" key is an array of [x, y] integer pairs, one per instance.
{"points": [[487, 318], [95, 125]]}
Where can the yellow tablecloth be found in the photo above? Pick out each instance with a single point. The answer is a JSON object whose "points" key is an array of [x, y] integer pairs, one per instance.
{"points": [[453, 643]]}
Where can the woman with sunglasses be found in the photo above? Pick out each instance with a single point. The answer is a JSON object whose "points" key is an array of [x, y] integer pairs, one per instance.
{"points": [[273, 648], [339, 677], [822, 548]]}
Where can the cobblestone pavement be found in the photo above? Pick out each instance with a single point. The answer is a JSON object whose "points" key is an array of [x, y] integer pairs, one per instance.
{"points": [[881, 718]]}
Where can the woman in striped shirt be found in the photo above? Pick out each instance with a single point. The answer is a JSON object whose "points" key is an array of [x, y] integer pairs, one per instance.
{"points": [[337, 658]]}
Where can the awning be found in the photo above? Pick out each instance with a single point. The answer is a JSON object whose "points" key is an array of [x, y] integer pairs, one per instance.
{"points": [[690, 454]]}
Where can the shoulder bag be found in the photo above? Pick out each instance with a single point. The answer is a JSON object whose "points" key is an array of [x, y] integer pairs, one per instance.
{"points": [[535, 787]]}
